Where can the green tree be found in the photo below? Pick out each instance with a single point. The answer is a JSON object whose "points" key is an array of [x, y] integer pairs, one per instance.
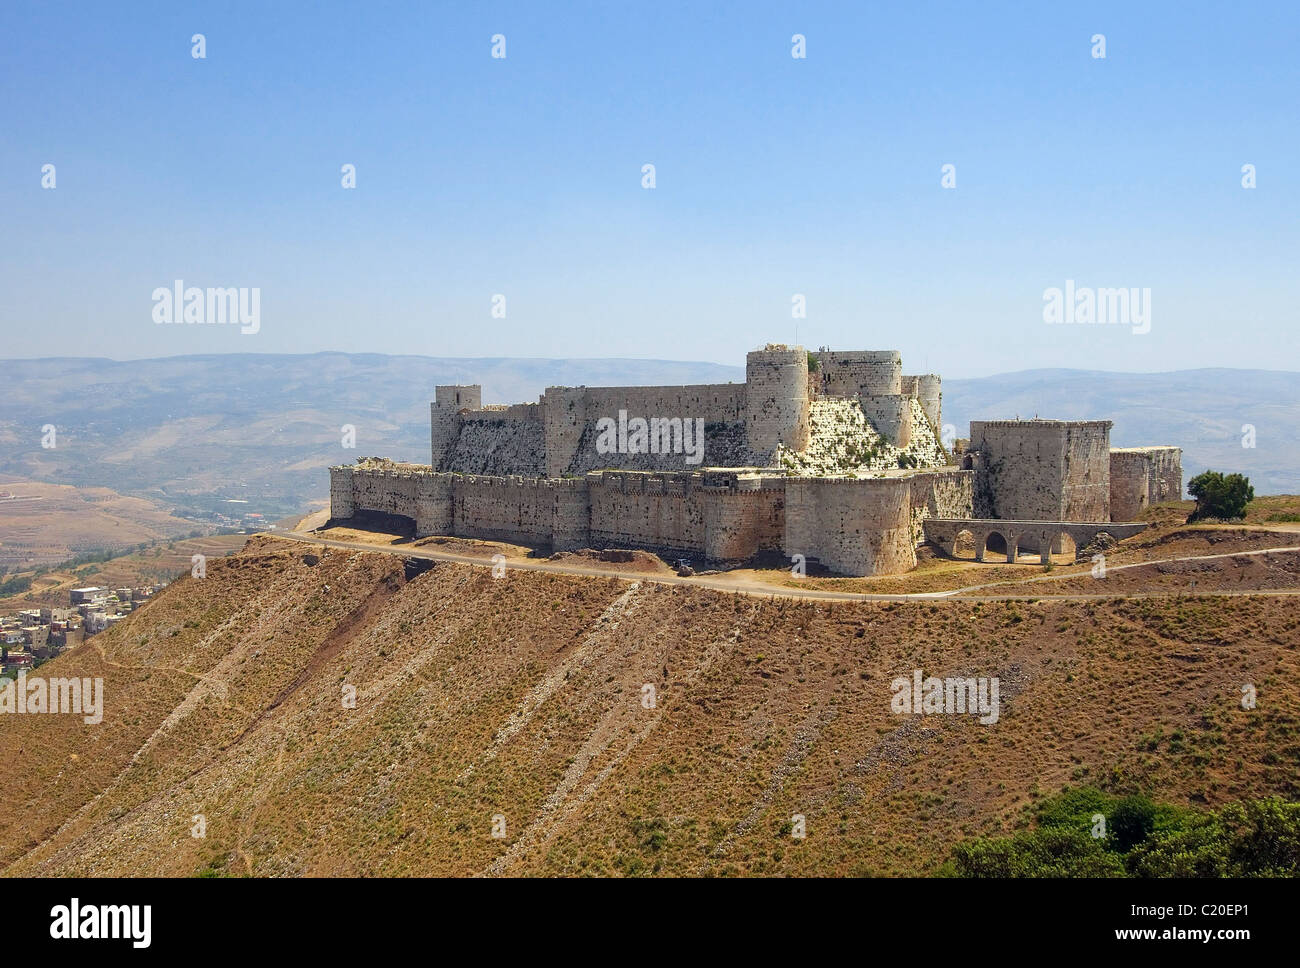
{"points": [[1219, 495]]}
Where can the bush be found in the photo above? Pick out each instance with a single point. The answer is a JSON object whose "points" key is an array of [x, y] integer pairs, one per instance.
{"points": [[1049, 852], [1258, 838], [1131, 822], [1219, 496]]}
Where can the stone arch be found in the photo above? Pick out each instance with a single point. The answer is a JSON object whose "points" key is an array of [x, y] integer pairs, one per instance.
{"points": [[966, 545], [1063, 543], [1002, 541]]}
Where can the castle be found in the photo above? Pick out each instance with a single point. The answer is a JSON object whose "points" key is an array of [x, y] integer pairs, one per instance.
{"points": [[832, 455]]}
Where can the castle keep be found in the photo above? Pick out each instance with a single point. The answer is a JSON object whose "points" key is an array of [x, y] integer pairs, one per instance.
{"points": [[831, 455]]}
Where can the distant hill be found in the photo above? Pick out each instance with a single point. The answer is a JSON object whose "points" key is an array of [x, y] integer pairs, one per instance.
{"points": [[195, 433]]}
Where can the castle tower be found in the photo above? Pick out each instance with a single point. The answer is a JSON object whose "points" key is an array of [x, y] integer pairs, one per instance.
{"points": [[776, 399], [564, 419], [444, 423], [929, 391]]}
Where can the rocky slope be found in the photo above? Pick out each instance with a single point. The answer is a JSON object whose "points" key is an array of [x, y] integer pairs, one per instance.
{"points": [[520, 699]]}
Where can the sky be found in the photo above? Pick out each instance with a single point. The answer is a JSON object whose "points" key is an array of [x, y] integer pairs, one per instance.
{"points": [[775, 177]]}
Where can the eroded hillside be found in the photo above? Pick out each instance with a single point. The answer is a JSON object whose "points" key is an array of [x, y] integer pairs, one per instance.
{"points": [[521, 698]]}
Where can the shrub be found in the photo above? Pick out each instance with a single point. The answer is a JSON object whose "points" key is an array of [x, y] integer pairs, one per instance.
{"points": [[1258, 838], [1131, 822], [1048, 852]]}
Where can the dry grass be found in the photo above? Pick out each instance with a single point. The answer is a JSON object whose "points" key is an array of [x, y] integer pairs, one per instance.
{"points": [[44, 524], [521, 696]]}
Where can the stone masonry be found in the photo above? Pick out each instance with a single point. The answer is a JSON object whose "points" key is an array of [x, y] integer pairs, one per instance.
{"points": [[1142, 476]]}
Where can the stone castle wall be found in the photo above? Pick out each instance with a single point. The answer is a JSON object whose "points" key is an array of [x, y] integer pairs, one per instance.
{"points": [[521, 510], [662, 511], [570, 414], [747, 424], [1042, 470], [849, 373], [444, 421], [852, 526], [929, 391], [1142, 476], [860, 472], [944, 493], [719, 517], [776, 400]]}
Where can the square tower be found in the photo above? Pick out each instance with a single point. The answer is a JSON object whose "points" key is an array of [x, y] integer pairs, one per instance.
{"points": [[1043, 470], [444, 417]]}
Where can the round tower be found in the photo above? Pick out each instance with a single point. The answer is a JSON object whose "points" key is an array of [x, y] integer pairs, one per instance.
{"points": [[776, 399], [930, 394]]}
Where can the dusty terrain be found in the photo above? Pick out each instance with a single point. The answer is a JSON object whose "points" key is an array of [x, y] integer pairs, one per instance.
{"points": [[159, 562], [43, 524], [521, 697]]}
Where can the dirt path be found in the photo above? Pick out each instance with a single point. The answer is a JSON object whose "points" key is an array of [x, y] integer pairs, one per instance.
{"points": [[749, 587]]}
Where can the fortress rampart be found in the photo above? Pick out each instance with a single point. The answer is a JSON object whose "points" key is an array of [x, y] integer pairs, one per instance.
{"points": [[831, 455]]}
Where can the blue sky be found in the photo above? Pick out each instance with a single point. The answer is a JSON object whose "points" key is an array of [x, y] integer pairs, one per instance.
{"points": [[774, 176]]}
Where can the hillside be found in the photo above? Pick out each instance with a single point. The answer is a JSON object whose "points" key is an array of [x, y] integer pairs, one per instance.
{"points": [[43, 524], [520, 697]]}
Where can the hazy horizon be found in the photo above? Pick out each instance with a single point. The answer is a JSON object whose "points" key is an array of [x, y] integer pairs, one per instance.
{"points": [[616, 359]]}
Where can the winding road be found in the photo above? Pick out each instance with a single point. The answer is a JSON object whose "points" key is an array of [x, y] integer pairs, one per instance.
{"points": [[757, 588]]}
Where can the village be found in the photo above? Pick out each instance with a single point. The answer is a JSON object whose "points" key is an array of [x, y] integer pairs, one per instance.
{"points": [[33, 635]]}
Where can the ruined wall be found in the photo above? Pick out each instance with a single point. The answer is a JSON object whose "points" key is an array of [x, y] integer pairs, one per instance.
{"points": [[1043, 470], [852, 526], [1142, 476]]}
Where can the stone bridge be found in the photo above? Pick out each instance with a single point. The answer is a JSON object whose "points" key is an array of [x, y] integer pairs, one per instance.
{"points": [[1043, 536]]}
